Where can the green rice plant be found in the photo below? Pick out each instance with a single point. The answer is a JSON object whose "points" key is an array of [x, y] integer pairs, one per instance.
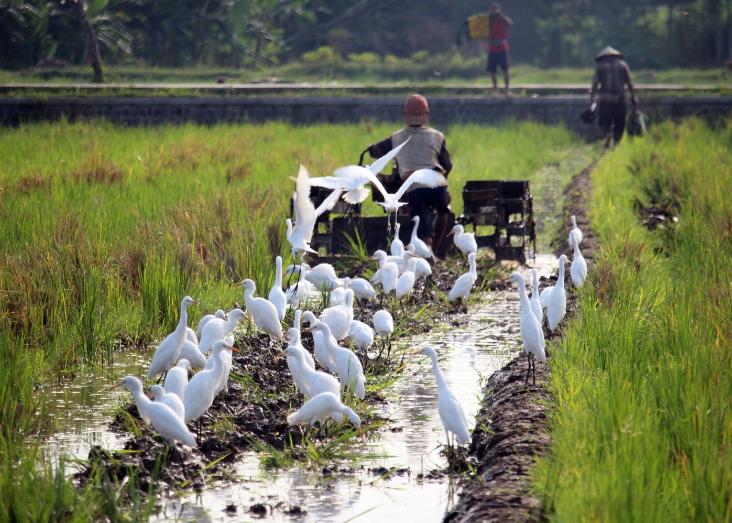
{"points": [[641, 379]]}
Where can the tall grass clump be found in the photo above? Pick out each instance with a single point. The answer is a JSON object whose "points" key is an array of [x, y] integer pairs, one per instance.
{"points": [[642, 380]]}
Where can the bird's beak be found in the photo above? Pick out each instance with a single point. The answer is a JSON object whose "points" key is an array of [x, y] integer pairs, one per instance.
{"points": [[149, 394], [280, 354], [234, 349], [116, 385], [374, 257], [307, 329], [416, 352]]}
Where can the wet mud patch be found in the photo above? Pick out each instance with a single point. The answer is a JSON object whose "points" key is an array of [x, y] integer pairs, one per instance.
{"points": [[511, 428]]}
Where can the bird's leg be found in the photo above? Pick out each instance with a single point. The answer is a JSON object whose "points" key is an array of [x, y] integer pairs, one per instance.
{"points": [[528, 369], [533, 368]]}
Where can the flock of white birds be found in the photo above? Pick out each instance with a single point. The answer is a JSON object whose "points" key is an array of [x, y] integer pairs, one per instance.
{"points": [[207, 351]]}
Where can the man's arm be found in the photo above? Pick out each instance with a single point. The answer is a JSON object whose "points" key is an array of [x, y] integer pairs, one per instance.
{"points": [[506, 19], [594, 88], [631, 87], [379, 149], [444, 158]]}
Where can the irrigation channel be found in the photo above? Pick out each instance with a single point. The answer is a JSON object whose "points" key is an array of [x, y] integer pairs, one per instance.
{"points": [[398, 472]]}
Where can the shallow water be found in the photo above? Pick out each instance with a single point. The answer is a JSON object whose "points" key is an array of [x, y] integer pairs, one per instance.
{"points": [[411, 441]]}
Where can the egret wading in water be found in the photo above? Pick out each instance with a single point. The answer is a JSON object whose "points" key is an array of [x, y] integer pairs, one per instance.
{"points": [[321, 407], [532, 336], [449, 407], [168, 352]]}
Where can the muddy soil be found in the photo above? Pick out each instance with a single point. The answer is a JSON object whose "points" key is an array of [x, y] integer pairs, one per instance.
{"points": [[511, 427], [260, 395]]}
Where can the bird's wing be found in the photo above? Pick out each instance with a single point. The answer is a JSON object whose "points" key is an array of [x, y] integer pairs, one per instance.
{"points": [[426, 177], [544, 295], [304, 208], [329, 202], [363, 175], [380, 163], [328, 182]]}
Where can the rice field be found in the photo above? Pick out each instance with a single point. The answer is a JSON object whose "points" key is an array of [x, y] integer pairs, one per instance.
{"points": [[105, 229], [641, 421]]}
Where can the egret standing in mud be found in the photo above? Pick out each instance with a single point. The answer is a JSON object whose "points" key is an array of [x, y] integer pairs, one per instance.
{"points": [[218, 329], [384, 326], [535, 302], [321, 407], [464, 241], [348, 366], [262, 311], [464, 284], [554, 298], [201, 390], [168, 352], [532, 336], [276, 295], [575, 234], [578, 269], [449, 407]]}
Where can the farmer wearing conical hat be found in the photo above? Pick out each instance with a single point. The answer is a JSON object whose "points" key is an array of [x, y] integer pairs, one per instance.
{"points": [[426, 150], [612, 76]]}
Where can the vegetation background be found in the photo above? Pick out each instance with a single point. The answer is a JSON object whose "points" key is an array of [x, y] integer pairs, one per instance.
{"points": [[255, 34]]}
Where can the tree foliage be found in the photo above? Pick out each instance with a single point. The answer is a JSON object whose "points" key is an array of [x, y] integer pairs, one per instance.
{"points": [[249, 33]]}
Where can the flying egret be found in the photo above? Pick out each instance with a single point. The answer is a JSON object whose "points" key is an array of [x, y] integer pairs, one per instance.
{"points": [[535, 301], [168, 352], [276, 294], [352, 181], [170, 399], [554, 298], [177, 378], [306, 215], [578, 269], [218, 329], [575, 233], [349, 369], [201, 390], [449, 407], [262, 311], [161, 417], [421, 249], [339, 317], [532, 335], [321, 407], [397, 246], [464, 284], [464, 241], [220, 314]]}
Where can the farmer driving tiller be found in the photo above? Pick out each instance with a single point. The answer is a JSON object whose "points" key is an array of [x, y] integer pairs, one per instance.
{"points": [[426, 149]]}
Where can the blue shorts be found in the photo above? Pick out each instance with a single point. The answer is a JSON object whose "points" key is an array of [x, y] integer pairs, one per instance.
{"points": [[497, 59], [422, 202]]}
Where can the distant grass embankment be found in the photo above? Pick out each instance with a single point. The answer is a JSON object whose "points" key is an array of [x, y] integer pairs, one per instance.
{"points": [[642, 381]]}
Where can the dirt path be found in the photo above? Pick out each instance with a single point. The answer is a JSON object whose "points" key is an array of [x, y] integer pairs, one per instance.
{"points": [[511, 427]]}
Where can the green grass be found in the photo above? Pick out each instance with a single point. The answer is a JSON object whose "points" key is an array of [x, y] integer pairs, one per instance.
{"points": [[436, 70], [642, 380]]}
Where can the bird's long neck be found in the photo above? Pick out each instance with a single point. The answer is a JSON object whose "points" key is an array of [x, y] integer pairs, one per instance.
{"points": [[278, 272], [231, 323], [473, 267], [577, 252], [142, 401], [574, 221], [180, 330], [414, 229], [248, 296], [535, 286], [560, 276], [439, 378], [523, 298]]}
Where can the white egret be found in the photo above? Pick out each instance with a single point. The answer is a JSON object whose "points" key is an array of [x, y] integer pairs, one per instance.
{"points": [[276, 294], [554, 298], [353, 180], [201, 390], [383, 326], [170, 399], [309, 381], [218, 329], [192, 353], [321, 407], [161, 417], [383, 260], [168, 352], [362, 289], [422, 266], [177, 379], [262, 311], [532, 334], [338, 295], [295, 340], [464, 284], [535, 301], [321, 351], [578, 269], [349, 369], [405, 283], [300, 291], [397, 246], [449, 407], [575, 234], [361, 334], [191, 335], [421, 249], [339, 317], [389, 277], [322, 276], [220, 314], [306, 215], [464, 241]]}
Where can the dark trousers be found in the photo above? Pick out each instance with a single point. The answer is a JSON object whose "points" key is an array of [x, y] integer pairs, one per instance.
{"points": [[421, 203], [611, 117]]}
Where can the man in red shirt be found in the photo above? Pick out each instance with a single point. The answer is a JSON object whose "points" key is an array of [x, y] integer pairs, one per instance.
{"points": [[497, 48]]}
